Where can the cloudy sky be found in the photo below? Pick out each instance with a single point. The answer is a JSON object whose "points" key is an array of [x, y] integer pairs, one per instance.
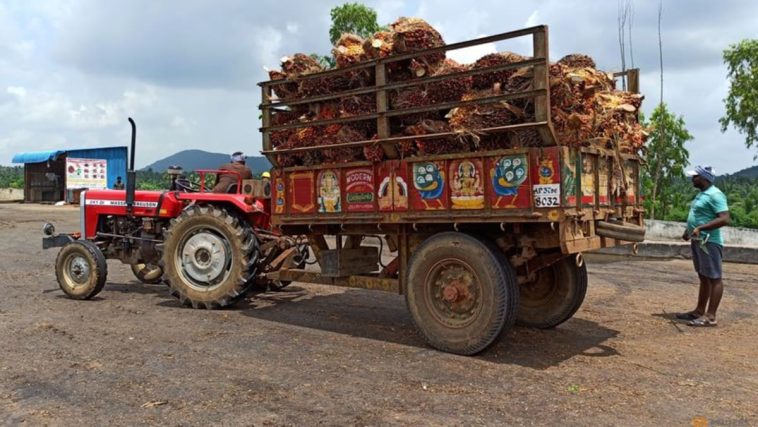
{"points": [[72, 71]]}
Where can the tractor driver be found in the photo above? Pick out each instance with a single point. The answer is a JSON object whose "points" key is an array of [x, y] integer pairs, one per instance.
{"points": [[226, 182]]}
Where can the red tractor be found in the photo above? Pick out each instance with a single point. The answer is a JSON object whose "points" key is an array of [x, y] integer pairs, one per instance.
{"points": [[210, 248]]}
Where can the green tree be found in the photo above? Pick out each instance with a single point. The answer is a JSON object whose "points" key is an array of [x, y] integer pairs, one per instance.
{"points": [[353, 18], [665, 160], [742, 100]]}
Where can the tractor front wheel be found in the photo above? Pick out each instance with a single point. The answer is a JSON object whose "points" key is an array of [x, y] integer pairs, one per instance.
{"points": [[209, 257], [81, 269]]}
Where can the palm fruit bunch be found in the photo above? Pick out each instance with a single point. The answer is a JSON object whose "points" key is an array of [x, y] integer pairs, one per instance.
{"points": [[585, 107], [486, 80], [473, 117], [452, 89], [347, 52], [340, 134], [440, 145], [413, 35], [448, 90], [292, 68], [373, 152]]}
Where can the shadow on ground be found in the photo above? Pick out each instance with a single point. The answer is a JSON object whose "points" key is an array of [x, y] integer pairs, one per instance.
{"points": [[384, 317]]}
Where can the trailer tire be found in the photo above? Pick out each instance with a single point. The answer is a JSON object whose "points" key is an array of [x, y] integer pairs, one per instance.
{"points": [[149, 274], [460, 293], [81, 269], [209, 257], [555, 296]]}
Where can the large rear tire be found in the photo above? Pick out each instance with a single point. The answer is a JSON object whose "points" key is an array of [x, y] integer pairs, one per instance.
{"points": [[554, 296], [81, 270], [460, 293], [209, 257]]}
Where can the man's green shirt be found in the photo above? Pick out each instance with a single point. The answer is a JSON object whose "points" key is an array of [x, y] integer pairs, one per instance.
{"points": [[705, 208]]}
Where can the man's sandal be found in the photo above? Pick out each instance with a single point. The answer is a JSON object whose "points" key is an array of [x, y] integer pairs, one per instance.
{"points": [[702, 322], [690, 315]]}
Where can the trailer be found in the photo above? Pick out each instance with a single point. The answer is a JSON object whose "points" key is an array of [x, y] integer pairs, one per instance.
{"points": [[479, 241]]}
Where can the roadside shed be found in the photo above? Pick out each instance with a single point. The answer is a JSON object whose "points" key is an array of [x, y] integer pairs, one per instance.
{"points": [[52, 176]]}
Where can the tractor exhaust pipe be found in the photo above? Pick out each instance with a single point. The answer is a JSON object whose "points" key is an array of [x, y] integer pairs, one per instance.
{"points": [[131, 175]]}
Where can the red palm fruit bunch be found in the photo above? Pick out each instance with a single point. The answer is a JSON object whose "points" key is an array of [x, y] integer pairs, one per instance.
{"points": [[482, 116], [349, 51], [302, 137], [374, 152], [339, 134], [486, 80], [451, 89], [283, 117], [435, 145], [292, 68], [577, 60], [411, 97], [413, 35]]}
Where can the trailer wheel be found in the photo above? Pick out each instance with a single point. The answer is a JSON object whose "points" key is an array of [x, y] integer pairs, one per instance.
{"points": [[209, 257], [459, 292], [81, 270], [554, 296], [150, 274]]}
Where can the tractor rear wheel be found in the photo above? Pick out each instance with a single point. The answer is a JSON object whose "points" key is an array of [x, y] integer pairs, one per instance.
{"points": [[81, 269], [460, 293], [150, 274], [209, 257]]}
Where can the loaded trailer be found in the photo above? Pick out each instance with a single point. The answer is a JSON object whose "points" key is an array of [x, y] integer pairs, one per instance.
{"points": [[479, 240]]}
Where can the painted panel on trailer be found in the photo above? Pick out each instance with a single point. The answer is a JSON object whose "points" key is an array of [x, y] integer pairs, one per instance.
{"points": [[359, 190], [392, 186], [589, 168], [301, 192], [509, 181], [329, 191], [466, 184], [569, 175], [278, 194], [632, 183], [429, 190], [602, 174]]}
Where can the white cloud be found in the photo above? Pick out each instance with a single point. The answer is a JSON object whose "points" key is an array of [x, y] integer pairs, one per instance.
{"points": [[471, 54], [72, 70]]}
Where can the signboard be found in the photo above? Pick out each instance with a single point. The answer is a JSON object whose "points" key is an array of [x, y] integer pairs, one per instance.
{"points": [[86, 173]]}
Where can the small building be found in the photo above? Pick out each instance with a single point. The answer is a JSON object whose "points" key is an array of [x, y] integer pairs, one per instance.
{"points": [[52, 176]]}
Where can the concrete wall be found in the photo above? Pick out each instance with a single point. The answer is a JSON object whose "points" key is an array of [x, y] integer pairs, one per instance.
{"points": [[662, 231], [11, 195]]}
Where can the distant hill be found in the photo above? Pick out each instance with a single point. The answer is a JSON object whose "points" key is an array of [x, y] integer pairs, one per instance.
{"points": [[191, 160], [751, 172]]}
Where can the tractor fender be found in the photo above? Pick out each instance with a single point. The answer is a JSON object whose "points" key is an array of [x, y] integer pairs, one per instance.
{"points": [[235, 200]]}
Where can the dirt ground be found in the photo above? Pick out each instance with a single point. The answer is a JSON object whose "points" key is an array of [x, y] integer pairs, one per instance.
{"points": [[333, 356]]}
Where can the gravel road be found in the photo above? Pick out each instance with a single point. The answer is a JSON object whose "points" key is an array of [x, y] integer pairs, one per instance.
{"points": [[322, 355]]}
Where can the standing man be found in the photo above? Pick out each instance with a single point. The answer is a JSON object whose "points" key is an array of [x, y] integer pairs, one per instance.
{"points": [[708, 213], [119, 185], [225, 181]]}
